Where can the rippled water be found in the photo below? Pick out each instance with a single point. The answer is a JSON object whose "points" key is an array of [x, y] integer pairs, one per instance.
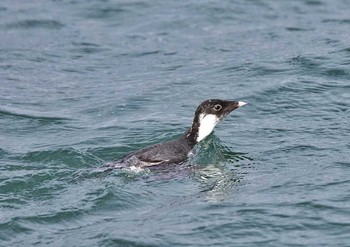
{"points": [[85, 82]]}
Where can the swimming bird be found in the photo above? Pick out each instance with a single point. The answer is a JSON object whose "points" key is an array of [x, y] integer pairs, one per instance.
{"points": [[208, 114]]}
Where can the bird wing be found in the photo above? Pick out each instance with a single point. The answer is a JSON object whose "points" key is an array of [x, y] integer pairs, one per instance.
{"points": [[163, 153]]}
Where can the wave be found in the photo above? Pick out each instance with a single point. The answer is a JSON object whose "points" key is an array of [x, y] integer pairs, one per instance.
{"points": [[27, 114], [35, 23]]}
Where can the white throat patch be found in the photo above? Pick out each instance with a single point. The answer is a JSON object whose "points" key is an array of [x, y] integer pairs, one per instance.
{"points": [[207, 123]]}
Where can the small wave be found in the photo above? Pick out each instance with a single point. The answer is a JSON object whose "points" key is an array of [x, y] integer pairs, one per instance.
{"points": [[146, 53], [339, 21], [317, 66], [88, 48], [347, 50], [27, 114], [30, 24], [298, 29], [3, 153], [113, 11], [299, 148], [304, 61], [68, 156], [11, 228], [101, 13]]}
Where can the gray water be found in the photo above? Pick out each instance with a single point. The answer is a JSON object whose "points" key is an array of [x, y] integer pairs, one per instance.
{"points": [[85, 82]]}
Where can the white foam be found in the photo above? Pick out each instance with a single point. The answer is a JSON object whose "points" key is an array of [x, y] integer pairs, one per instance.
{"points": [[136, 169]]}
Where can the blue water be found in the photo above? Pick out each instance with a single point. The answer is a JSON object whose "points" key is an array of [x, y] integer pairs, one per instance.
{"points": [[85, 82]]}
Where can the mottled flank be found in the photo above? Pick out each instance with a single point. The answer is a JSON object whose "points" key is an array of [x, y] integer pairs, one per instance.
{"points": [[83, 83]]}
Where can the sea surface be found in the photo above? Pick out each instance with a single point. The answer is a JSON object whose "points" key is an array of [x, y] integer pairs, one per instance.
{"points": [[83, 83]]}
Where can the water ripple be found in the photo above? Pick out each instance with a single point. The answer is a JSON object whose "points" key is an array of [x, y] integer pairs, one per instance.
{"points": [[85, 82], [31, 24], [27, 114]]}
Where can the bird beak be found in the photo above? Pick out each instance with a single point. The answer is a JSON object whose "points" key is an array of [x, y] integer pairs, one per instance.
{"points": [[241, 103], [232, 105]]}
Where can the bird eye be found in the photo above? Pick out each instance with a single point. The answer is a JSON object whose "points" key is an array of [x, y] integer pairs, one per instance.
{"points": [[217, 107]]}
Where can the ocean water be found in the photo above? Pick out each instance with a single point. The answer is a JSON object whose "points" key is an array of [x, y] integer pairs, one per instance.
{"points": [[82, 83]]}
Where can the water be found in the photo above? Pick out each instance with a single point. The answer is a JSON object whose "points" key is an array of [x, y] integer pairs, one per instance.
{"points": [[85, 82]]}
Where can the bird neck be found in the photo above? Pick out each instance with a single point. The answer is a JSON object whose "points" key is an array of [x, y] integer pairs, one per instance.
{"points": [[202, 126]]}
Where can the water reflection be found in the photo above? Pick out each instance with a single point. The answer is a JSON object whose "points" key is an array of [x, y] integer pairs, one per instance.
{"points": [[219, 168]]}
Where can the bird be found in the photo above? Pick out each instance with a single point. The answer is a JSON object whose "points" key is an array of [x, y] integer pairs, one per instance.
{"points": [[207, 115]]}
